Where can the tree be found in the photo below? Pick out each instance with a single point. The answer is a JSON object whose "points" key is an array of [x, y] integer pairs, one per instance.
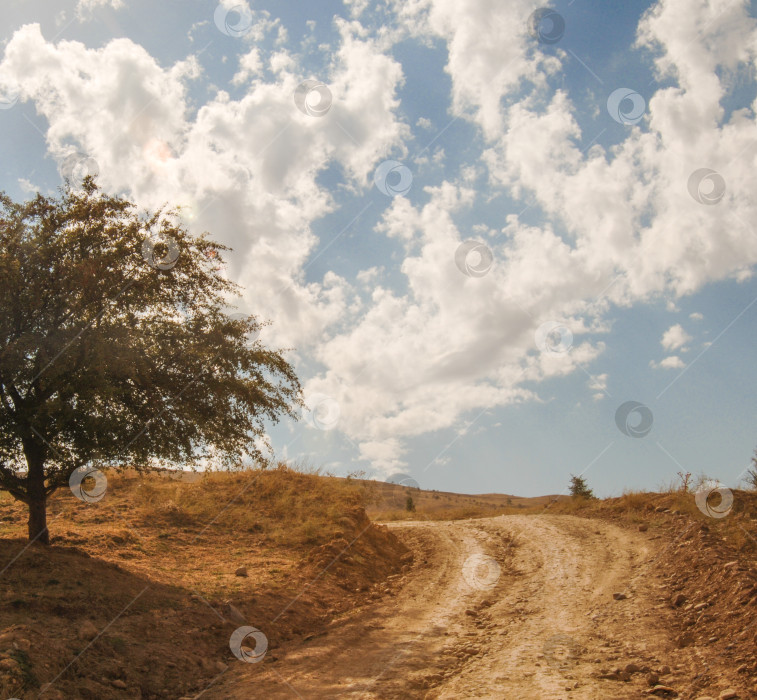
{"points": [[751, 474], [579, 488], [115, 348], [410, 504]]}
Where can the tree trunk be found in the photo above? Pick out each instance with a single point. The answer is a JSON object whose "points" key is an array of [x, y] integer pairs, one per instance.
{"points": [[35, 492], [38, 531]]}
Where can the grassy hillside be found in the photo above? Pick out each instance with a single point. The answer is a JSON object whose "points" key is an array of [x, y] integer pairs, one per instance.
{"points": [[388, 502], [736, 530], [137, 595]]}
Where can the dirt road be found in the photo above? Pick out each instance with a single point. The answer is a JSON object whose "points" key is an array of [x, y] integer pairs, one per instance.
{"points": [[506, 607]]}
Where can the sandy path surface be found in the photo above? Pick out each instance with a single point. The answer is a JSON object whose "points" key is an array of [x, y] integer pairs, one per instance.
{"points": [[507, 607]]}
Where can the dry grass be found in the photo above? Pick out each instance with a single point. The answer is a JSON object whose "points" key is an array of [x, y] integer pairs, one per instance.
{"points": [[386, 502], [168, 546], [279, 506], [737, 529], [287, 508], [195, 529]]}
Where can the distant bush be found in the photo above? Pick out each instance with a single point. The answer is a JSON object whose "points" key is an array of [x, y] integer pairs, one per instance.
{"points": [[579, 488]]}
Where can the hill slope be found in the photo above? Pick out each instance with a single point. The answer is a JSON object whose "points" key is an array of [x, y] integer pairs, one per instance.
{"points": [[137, 595]]}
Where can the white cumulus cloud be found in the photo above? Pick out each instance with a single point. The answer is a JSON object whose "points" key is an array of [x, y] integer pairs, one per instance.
{"points": [[671, 362], [244, 169], [617, 225], [675, 338]]}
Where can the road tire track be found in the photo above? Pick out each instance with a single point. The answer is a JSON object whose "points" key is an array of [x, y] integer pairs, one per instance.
{"points": [[548, 627]]}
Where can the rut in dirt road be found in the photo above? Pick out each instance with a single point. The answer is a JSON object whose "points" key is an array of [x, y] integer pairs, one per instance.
{"points": [[507, 607]]}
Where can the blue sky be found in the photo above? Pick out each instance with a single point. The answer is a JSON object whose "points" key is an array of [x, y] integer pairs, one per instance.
{"points": [[413, 363]]}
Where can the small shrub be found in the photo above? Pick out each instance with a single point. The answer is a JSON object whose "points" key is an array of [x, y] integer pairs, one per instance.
{"points": [[685, 481], [579, 488]]}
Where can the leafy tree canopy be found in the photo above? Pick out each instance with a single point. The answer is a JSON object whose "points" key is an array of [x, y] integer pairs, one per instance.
{"points": [[116, 349]]}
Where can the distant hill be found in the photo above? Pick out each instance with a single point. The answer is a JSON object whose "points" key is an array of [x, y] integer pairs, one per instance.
{"points": [[388, 501]]}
